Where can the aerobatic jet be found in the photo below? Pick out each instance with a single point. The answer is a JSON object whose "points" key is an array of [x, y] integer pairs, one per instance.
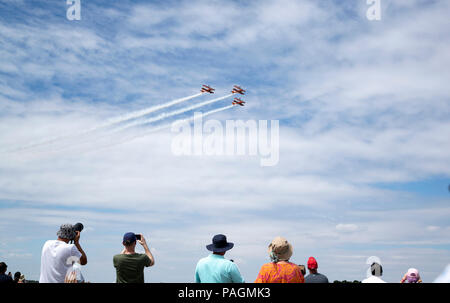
{"points": [[207, 89], [238, 90], [238, 101]]}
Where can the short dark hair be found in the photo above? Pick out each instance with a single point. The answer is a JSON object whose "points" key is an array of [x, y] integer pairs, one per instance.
{"points": [[377, 269], [128, 243], [3, 267]]}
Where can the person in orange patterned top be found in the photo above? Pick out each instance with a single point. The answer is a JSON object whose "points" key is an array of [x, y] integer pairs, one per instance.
{"points": [[280, 270]]}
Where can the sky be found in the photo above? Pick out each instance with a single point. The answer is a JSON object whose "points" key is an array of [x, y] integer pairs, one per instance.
{"points": [[364, 133]]}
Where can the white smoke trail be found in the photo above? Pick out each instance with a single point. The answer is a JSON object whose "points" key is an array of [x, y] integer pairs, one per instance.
{"points": [[158, 128], [110, 122], [160, 117], [147, 111], [202, 115], [170, 114]]}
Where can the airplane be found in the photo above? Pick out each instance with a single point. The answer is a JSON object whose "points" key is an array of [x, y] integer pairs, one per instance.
{"points": [[207, 89], [239, 90], [238, 101]]}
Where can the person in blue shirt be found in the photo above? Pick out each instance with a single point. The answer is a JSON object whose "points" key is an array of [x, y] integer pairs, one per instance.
{"points": [[215, 268]]}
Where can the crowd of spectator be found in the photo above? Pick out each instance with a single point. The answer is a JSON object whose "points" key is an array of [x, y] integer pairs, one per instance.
{"points": [[8, 278], [63, 258]]}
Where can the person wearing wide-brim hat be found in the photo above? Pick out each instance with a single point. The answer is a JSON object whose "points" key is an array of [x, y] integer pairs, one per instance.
{"points": [[280, 270], [215, 268]]}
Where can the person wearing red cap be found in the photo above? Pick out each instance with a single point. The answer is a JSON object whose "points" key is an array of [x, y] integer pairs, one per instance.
{"points": [[314, 276]]}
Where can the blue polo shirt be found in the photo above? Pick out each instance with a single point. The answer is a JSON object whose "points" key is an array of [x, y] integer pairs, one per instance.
{"points": [[217, 269]]}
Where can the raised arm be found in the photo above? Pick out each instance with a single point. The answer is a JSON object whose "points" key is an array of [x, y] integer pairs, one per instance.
{"points": [[147, 250], [83, 258]]}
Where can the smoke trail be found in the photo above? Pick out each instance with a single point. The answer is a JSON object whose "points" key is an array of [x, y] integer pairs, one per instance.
{"points": [[170, 114], [147, 111], [160, 117], [158, 128], [201, 116], [189, 120], [110, 122]]}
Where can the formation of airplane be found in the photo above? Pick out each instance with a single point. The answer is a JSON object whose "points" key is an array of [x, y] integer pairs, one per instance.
{"points": [[207, 89], [238, 90], [238, 101]]}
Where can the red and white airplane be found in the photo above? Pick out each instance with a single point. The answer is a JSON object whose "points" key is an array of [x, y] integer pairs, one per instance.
{"points": [[238, 101], [207, 89], [238, 90]]}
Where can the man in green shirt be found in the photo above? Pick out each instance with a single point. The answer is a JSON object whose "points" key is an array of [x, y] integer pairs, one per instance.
{"points": [[129, 264]]}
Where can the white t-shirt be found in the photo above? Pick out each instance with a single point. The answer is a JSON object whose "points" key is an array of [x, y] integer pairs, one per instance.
{"points": [[56, 259], [373, 279]]}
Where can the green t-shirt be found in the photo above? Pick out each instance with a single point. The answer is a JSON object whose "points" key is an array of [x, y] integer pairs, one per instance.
{"points": [[130, 268]]}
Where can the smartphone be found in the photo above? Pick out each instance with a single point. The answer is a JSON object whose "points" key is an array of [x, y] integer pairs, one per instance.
{"points": [[138, 237]]}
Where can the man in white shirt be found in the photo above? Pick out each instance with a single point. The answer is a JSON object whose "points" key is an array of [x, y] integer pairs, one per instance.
{"points": [[58, 255], [377, 272]]}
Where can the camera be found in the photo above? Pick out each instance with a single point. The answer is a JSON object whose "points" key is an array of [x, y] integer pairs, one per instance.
{"points": [[77, 227], [138, 237]]}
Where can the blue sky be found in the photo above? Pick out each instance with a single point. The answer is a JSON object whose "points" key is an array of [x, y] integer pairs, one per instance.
{"points": [[364, 111]]}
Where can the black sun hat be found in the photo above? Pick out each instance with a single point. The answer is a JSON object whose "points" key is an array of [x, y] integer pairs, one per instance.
{"points": [[219, 244]]}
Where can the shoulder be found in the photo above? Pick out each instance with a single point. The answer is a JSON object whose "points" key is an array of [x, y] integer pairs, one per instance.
{"points": [[223, 263], [49, 243], [201, 264], [229, 264], [143, 257], [267, 266], [73, 249], [293, 265], [61, 245], [117, 259], [4, 277], [118, 256], [323, 277], [372, 279], [203, 260]]}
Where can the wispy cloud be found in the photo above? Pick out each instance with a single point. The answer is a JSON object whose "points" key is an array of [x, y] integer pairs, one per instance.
{"points": [[362, 106]]}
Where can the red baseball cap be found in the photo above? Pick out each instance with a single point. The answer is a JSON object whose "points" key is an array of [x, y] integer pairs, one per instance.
{"points": [[312, 263]]}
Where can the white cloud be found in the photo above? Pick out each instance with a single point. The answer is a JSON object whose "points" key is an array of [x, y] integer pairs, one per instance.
{"points": [[432, 228], [359, 105], [346, 227]]}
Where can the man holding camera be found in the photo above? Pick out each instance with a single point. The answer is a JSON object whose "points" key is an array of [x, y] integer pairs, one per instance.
{"points": [[58, 255], [129, 264]]}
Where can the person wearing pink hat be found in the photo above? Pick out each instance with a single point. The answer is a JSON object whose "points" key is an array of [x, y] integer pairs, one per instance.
{"points": [[412, 276], [314, 276]]}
